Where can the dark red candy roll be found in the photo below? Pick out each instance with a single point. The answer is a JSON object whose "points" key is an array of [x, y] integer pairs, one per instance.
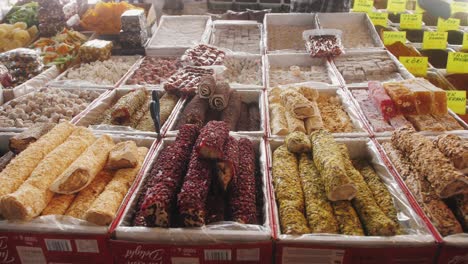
{"points": [[166, 177], [243, 122], [210, 143], [254, 117], [193, 195], [231, 114], [243, 198], [215, 205], [194, 112], [228, 166]]}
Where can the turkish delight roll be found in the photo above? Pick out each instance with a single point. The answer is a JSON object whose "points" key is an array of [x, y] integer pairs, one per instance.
{"points": [[297, 104], [166, 177], [210, 143], [278, 122], [123, 155], [5, 159], [437, 211], [347, 218], [221, 97], [128, 105], [308, 92], [254, 117], [215, 207], [243, 199], [446, 180], [297, 142], [83, 170], [288, 192], [33, 195], [402, 97], [381, 100], [85, 198], [207, 86], [20, 168], [374, 220], [104, 208], [318, 209], [274, 96], [191, 200], [21, 141], [228, 167], [329, 161], [231, 114], [294, 124], [382, 196], [59, 204], [448, 122], [194, 112], [425, 123], [454, 148]]}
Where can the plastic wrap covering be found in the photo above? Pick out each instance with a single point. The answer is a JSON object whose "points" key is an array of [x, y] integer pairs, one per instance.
{"points": [[22, 64], [70, 222], [217, 232], [413, 229], [323, 42], [99, 115]]}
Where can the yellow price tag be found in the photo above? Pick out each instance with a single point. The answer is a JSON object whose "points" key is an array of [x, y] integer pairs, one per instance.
{"points": [[418, 9], [396, 6], [434, 40], [457, 62], [391, 37], [416, 65], [449, 24], [363, 5], [411, 21], [456, 101], [380, 19], [465, 42], [459, 7]]}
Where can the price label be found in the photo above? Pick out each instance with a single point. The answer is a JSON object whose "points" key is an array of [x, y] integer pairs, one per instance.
{"points": [[459, 7], [435, 40], [411, 21], [465, 42], [363, 5], [380, 19], [457, 62], [456, 101], [416, 65], [391, 37], [418, 9], [449, 24], [396, 6]]}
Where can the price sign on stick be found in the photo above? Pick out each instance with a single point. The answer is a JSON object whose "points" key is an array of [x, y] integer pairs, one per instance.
{"points": [[396, 6], [456, 101], [411, 21], [380, 19], [391, 37], [416, 65], [363, 5], [449, 24], [435, 40], [457, 62]]}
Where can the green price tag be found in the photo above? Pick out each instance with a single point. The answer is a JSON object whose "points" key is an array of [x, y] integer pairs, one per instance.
{"points": [[391, 37], [459, 7], [363, 5], [416, 65], [380, 19], [411, 21], [457, 62], [449, 24], [434, 40], [418, 9], [456, 101], [465, 41], [396, 6]]}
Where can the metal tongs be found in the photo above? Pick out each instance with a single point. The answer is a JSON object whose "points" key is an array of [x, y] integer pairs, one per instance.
{"points": [[155, 113]]}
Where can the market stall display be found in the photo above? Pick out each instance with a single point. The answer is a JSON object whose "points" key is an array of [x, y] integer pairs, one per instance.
{"points": [[133, 33], [154, 71], [237, 37], [243, 70]]}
